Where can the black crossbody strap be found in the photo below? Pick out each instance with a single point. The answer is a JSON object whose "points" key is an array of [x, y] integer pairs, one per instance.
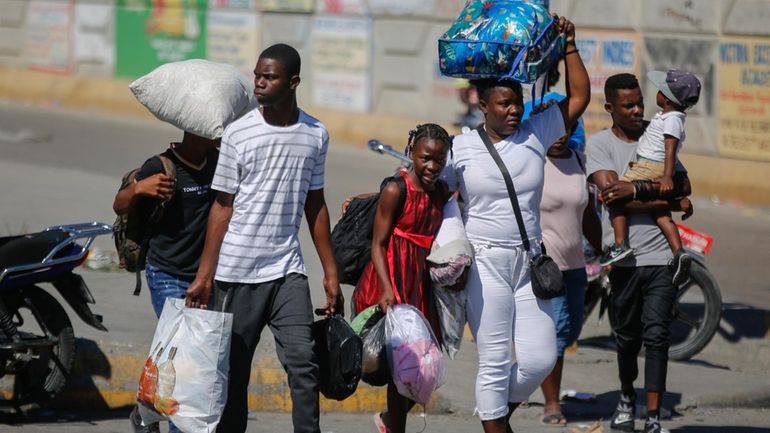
{"points": [[508, 184]]}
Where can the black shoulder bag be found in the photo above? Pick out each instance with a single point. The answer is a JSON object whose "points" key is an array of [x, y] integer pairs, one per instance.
{"points": [[544, 273]]}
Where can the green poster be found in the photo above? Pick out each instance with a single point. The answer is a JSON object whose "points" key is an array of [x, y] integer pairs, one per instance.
{"points": [[149, 33]]}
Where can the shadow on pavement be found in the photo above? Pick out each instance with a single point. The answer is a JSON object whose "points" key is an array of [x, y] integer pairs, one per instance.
{"points": [[605, 404], [51, 416], [90, 363], [718, 429], [741, 322]]}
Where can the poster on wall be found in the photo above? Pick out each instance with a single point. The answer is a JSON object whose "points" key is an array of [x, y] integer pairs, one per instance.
{"points": [[348, 7], [306, 6], [606, 53], [342, 57], [403, 7], [233, 39], [49, 43], [232, 4], [149, 33], [744, 98], [92, 33]]}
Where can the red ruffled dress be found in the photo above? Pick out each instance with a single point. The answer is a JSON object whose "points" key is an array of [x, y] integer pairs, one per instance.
{"points": [[408, 247]]}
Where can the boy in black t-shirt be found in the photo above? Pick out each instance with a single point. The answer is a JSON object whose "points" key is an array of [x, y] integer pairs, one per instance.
{"points": [[176, 242]]}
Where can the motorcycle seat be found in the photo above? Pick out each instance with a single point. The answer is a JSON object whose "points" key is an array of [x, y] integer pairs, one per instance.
{"points": [[30, 248]]}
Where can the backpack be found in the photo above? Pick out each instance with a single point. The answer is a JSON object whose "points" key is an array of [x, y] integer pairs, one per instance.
{"points": [[352, 236], [132, 230], [339, 352]]}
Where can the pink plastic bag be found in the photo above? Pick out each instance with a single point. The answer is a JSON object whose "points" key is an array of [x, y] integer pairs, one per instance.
{"points": [[416, 362]]}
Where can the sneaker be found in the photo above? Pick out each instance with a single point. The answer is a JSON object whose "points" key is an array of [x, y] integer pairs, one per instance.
{"points": [[623, 418], [680, 267], [652, 425], [616, 253], [136, 423]]}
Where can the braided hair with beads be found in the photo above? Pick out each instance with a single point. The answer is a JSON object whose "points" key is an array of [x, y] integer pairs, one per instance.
{"points": [[428, 131]]}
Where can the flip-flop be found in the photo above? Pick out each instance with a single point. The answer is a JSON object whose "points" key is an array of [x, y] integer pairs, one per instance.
{"points": [[554, 420]]}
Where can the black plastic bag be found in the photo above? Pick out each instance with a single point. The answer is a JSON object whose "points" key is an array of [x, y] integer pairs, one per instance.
{"points": [[374, 366], [339, 352]]}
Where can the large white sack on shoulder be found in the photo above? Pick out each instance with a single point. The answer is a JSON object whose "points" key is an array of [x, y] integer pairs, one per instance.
{"points": [[451, 239], [196, 96]]}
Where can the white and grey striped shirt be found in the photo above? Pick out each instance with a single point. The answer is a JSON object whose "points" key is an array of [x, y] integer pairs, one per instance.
{"points": [[270, 170]]}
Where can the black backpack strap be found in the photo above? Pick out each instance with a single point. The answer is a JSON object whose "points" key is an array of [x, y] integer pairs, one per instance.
{"points": [[508, 184], [402, 198], [138, 286], [580, 163]]}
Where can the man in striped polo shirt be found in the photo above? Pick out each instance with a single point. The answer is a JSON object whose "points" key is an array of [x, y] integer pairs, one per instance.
{"points": [[270, 171]]}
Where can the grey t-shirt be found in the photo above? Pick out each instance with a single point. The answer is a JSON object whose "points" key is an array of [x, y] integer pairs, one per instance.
{"points": [[605, 151]]}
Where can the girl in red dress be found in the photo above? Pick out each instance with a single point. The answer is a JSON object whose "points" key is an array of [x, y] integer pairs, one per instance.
{"points": [[401, 241]]}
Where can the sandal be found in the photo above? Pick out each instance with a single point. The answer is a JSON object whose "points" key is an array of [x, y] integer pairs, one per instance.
{"points": [[554, 420], [379, 423]]}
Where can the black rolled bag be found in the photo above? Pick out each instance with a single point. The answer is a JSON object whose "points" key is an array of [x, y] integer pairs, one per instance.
{"points": [[339, 352]]}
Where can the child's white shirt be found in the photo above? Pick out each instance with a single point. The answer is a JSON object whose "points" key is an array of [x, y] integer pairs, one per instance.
{"points": [[652, 144]]}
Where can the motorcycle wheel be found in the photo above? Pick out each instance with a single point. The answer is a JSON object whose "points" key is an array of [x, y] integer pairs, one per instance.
{"points": [[42, 378], [697, 313]]}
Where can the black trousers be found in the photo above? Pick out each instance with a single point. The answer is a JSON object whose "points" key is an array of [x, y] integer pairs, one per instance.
{"points": [[284, 305], [640, 310]]}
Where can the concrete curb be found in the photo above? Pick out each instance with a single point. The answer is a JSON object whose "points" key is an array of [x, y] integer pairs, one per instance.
{"points": [[106, 375], [727, 179]]}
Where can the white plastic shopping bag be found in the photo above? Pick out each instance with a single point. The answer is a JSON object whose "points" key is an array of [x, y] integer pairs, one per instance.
{"points": [[185, 376], [451, 252], [415, 359]]}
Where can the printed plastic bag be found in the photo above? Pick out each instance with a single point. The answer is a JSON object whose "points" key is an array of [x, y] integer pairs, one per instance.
{"points": [[451, 313], [197, 96], [374, 361], [339, 357], [415, 360], [451, 252], [185, 376], [500, 39]]}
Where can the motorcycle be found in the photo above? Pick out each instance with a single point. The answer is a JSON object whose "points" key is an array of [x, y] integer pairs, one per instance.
{"points": [[698, 307], [37, 343]]}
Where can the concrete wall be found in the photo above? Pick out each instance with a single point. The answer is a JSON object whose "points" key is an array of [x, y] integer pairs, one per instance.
{"points": [[378, 57]]}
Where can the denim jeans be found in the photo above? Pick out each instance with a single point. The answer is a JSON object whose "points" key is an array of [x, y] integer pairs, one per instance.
{"points": [[164, 285], [568, 309]]}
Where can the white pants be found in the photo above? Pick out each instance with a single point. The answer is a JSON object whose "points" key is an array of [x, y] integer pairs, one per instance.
{"points": [[501, 309]]}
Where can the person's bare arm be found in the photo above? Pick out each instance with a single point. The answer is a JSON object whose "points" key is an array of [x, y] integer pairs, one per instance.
{"points": [[199, 292], [667, 181], [577, 84], [317, 215], [616, 192], [592, 227], [384, 221], [158, 186]]}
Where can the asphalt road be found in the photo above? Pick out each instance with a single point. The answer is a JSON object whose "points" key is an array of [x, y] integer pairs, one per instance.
{"points": [[64, 167]]}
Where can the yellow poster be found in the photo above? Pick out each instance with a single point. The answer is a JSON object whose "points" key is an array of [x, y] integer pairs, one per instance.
{"points": [[744, 98], [606, 53]]}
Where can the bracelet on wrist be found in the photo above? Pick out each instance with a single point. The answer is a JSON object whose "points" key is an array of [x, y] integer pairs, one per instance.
{"points": [[571, 52]]}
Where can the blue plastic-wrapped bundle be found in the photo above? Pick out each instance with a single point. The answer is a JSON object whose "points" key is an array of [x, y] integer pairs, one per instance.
{"points": [[504, 39]]}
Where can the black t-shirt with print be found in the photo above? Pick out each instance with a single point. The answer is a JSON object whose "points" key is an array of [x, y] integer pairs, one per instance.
{"points": [[177, 240]]}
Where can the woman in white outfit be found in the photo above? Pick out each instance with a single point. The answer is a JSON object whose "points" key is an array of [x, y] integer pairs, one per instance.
{"points": [[501, 307]]}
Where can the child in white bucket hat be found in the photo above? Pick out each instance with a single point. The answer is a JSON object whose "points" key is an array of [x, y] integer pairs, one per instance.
{"points": [[656, 158]]}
